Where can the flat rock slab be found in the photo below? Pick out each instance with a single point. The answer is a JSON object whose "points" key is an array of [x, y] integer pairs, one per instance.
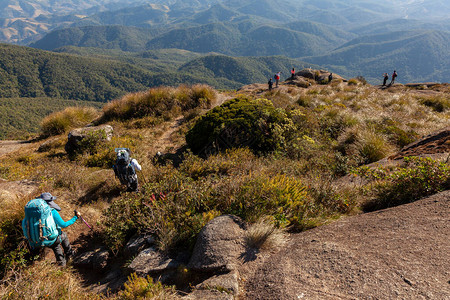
{"points": [[150, 261], [397, 253]]}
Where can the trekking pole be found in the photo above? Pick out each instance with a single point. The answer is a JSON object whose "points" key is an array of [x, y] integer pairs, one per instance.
{"points": [[76, 212]]}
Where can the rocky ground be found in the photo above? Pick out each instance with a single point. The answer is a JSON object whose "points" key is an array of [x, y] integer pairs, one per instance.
{"points": [[397, 253]]}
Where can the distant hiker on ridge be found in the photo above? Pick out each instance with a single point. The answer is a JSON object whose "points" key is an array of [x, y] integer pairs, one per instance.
{"points": [[292, 73], [385, 78], [270, 83], [277, 78], [125, 169], [330, 77], [42, 227], [394, 75]]}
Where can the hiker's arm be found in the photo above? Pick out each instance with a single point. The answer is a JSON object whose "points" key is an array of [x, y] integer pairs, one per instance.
{"points": [[136, 165], [60, 222]]}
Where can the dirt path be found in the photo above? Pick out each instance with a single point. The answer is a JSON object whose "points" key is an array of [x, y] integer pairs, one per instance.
{"points": [[9, 146], [165, 141], [397, 253]]}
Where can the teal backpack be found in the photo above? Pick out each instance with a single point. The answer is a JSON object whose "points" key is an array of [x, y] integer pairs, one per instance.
{"points": [[38, 226]]}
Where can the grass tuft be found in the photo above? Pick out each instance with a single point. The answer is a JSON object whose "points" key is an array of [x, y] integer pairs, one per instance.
{"points": [[264, 235]]}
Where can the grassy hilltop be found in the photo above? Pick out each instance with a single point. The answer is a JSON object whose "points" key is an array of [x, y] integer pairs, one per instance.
{"points": [[289, 156]]}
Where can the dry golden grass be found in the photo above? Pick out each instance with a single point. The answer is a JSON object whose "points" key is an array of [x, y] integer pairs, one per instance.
{"points": [[71, 117], [264, 235], [44, 280]]}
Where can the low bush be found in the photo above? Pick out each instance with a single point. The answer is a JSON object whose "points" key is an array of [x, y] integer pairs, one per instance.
{"points": [[93, 153], [144, 288], [177, 203], [420, 177], [241, 122], [437, 103], [353, 81], [70, 118]]}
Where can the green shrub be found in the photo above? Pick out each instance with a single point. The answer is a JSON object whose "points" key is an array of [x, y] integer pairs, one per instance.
{"points": [[420, 177], [241, 122], [144, 288], [437, 103], [96, 151], [70, 118], [353, 81], [14, 253], [361, 79]]}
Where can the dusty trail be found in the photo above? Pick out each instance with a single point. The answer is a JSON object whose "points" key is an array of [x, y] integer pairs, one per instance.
{"points": [[165, 142], [9, 146]]}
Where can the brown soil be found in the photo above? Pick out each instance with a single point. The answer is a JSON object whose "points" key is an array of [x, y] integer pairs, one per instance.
{"points": [[397, 253]]}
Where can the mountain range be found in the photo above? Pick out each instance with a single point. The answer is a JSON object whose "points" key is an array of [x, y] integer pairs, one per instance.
{"points": [[355, 37]]}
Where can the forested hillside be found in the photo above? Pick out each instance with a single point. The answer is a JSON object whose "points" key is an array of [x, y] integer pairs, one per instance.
{"points": [[21, 117], [27, 72]]}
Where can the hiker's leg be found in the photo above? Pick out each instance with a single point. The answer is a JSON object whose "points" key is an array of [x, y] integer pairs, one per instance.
{"points": [[134, 184], [66, 244], [59, 254]]}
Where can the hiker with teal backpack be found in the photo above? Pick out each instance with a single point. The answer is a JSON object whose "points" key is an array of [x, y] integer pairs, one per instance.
{"points": [[125, 169], [42, 227]]}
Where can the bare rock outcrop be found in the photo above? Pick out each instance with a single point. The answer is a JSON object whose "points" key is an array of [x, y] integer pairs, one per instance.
{"points": [[219, 245], [437, 142], [396, 253]]}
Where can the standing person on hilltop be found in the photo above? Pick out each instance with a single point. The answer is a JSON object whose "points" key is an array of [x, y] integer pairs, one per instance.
{"points": [[42, 227], [292, 73], [277, 78], [394, 75], [330, 77], [270, 83], [385, 78]]}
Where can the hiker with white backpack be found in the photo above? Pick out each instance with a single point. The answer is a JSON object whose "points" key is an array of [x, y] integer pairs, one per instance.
{"points": [[125, 169], [42, 227]]}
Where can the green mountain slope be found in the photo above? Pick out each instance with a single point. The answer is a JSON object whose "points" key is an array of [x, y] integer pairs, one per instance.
{"points": [[107, 37], [416, 55], [241, 69], [20, 117], [27, 72], [108, 74]]}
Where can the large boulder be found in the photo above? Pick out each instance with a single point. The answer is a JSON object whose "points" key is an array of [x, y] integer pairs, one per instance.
{"points": [[219, 245], [102, 133]]}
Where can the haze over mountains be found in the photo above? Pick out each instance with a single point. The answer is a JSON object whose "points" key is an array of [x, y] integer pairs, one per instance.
{"points": [[354, 37]]}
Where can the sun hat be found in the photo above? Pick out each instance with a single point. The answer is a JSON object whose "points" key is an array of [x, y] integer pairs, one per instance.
{"points": [[50, 200]]}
